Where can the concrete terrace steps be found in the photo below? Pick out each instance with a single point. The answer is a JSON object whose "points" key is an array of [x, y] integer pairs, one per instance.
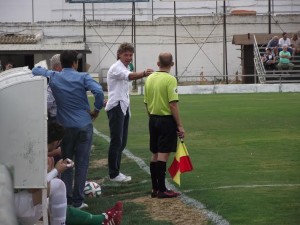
{"points": [[283, 76]]}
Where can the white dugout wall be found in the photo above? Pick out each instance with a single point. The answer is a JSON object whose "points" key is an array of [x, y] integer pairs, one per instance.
{"points": [[23, 127]]}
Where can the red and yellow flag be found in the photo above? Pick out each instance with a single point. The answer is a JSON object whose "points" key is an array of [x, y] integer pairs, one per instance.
{"points": [[181, 163]]}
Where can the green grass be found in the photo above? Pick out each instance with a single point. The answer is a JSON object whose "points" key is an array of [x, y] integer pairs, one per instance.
{"points": [[234, 140]]}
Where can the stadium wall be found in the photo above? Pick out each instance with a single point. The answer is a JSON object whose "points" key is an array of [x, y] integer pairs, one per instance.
{"points": [[199, 41], [235, 88], [58, 10]]}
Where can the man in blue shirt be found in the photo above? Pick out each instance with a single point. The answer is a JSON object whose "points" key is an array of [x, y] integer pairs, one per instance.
{"points": [[273, 45], [69, 88]]}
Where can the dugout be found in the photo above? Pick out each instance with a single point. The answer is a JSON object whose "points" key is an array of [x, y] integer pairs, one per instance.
{"points": [[23, 140], [29, 47]]}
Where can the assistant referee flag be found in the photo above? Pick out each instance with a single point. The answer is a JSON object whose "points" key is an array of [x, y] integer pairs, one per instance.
{"points": [[181, 163]]}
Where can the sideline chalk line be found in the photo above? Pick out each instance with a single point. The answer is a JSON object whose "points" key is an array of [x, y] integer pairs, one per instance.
{"points": [[248, 186], [217, 219]]}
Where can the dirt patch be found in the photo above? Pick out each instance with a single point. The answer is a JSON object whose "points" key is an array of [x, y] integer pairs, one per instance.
{"points": [[98, 163], [173, 210]]}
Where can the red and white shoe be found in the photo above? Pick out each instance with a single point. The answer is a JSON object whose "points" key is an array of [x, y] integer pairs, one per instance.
{"points": [[113, 216]]}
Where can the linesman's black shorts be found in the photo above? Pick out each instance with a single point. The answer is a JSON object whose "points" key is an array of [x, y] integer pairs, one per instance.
{"points": [[163, 134]]}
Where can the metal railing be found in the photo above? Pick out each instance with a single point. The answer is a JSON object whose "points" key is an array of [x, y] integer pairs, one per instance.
{"points": [[258, 65]]}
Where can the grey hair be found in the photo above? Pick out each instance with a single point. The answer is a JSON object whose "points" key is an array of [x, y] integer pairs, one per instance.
{"points": [[55, 61]]}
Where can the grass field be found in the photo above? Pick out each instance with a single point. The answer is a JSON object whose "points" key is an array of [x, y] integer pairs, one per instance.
{"points": [[246, 154]]}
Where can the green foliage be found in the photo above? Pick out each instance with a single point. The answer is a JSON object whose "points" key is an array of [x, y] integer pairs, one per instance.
{"points": [[245, 151]]}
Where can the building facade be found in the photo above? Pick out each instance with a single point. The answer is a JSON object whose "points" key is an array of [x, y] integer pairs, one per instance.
{"points": [[198, 38]]}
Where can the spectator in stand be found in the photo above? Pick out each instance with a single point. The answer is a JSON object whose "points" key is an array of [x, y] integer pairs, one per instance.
{"points": [[273, 44], [295, 43], [285, 41], [269, 60], [284, 59]]}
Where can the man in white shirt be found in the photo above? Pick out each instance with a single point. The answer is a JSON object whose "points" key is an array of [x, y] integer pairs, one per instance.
{"points": [[285, 41], [118, 109]]}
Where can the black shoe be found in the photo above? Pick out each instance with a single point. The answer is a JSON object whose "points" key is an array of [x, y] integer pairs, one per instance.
{"points": [[154, 193], [167, 194]]}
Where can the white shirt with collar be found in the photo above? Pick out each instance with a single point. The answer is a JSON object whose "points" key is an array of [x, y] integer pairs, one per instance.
{"points": [[282, 42], [118, 87]]}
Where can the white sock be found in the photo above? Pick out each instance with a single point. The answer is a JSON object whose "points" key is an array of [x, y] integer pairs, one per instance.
{"points": [[57, 202]]}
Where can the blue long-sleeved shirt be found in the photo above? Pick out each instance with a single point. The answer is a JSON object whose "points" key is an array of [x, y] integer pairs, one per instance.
{"points": [[69, 88]]}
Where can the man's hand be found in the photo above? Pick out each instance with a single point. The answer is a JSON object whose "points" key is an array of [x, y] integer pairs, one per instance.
{"points": [[94, 114], [104, 102], [180, 132], [147, 72], [61, 166], [55, 152]]}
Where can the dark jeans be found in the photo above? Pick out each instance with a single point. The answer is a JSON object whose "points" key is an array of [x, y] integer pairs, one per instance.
{"points": [[76, 145], [118, 125], [270, 66]]}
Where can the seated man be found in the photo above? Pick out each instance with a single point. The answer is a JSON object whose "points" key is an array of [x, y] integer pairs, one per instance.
{"points": [[295, 43], [285, 41], [284, 59], [269, 60], [273, 45], [28, 203]]}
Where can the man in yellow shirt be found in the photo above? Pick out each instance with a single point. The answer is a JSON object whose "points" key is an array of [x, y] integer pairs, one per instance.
{"points": [[161, 99]]}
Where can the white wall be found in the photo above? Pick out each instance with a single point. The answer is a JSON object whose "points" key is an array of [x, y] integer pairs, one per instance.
{"points": [[152, 37], [206, 32], [233, 89], [57, 10]]}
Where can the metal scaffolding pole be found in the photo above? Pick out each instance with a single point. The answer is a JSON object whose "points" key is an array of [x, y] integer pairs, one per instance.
{"points": [[175, 34], [225, 69]]}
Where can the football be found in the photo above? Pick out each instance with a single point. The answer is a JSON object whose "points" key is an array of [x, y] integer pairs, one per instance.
{"points": [[92, 189]]}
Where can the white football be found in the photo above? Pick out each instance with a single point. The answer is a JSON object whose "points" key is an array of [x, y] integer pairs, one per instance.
{"points": [[92, 189]]}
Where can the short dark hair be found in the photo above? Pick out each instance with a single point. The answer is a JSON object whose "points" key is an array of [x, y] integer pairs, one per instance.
{"points": [[55, 132], [67, 58], [284, 33], [165, 59], [125, 47]]}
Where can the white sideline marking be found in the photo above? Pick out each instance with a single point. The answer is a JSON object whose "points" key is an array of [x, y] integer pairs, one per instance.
{"points": [[250, 186], [217, 219]]}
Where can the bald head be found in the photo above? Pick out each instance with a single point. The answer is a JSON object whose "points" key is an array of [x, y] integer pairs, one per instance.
{"points": [[165, 60]]}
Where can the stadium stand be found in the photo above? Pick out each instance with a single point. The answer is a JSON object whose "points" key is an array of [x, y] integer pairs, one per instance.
{"points": [[275, 76]]}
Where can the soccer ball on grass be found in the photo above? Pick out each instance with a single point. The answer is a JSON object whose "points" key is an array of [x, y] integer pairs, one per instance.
{"points": [[92, 189]]}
